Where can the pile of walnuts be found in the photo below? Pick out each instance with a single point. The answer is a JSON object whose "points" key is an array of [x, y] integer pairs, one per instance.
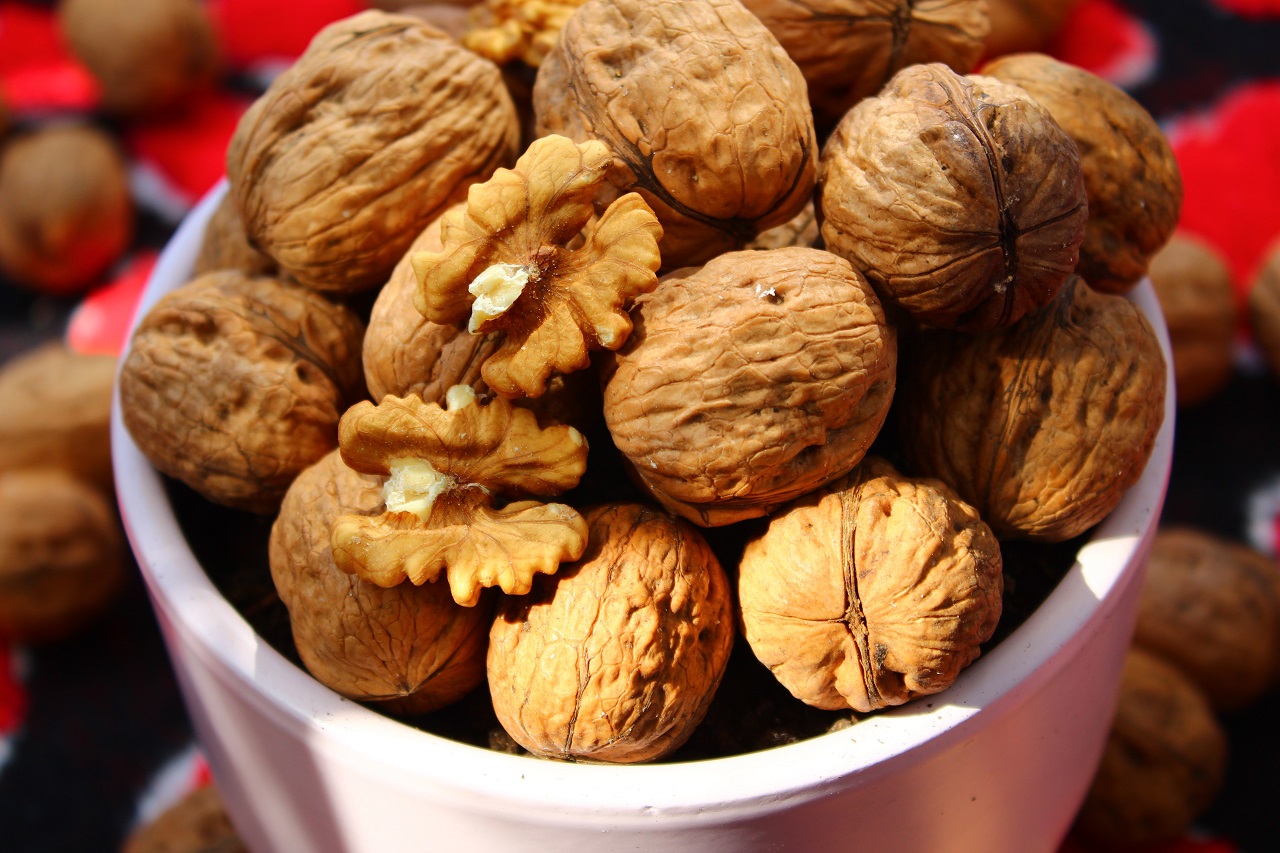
{"points": [[590, 431]]}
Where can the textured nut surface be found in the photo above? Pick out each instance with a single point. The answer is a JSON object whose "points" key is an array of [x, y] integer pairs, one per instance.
{"points": [[871, 591], [801, 230], [848, 49], [197, 823], [1264, 308], [61, 555], [750, 381], [235, 384], [226, 246], [1131, 177], [617, 656], [66, 213], [707, 117], [55, 412], [1041, 426], [355, 148], [517, 30], [958, 197], [1163, 762], [410, 648]]}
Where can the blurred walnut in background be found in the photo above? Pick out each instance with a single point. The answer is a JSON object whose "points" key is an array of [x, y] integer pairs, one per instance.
{"points": [[1264, 308], [1018, 25]]}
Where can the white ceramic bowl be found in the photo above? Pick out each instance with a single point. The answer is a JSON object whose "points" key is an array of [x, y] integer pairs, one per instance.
{"points": [[999, 762]]}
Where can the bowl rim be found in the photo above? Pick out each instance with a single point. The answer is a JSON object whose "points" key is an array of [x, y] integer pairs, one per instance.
{"points": [[757, 782]]}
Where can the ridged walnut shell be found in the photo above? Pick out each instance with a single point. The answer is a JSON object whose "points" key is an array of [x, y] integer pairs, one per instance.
{"points": [[750, 381], [1131, 177], [872, 591], [959, 198], [1042, 426], [226, 246], [354, 149], [408, 648], [616, 657], [707, 116], [1264, 308], [234, 385]]}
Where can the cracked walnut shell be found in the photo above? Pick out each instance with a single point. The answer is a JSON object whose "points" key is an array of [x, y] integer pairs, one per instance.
{"points": [[872, 591], [617, 656]]}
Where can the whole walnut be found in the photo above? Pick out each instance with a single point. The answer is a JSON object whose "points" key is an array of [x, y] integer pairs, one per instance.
{"points": [[197, 823], [55, 412], [66, 213], [408, 648], [959, 198], [1041, 426], [1163, 762], [226, 246], [876, 619], [1021, 25], [616, 657], [378, 127], [1264, 308], [1210, 607], [1131, 177], [750, 381], [1193, 283], [234, 384], [848, 49], [707, 116], [147, 55], [801, 230], [62, 557]]}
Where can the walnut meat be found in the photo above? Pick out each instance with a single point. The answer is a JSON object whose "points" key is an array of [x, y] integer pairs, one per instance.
{"points": [[1041, 426], [707, 117], [617, 656], [959, 198], [1264, 308], [517, 30], [226, 246], [872, 591], [353, 150], [848, 49], [750, 381], [235, 384], [410, 649], [1131, 177]]}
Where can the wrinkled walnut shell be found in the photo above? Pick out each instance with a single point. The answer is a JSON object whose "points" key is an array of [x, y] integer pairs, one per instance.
{"points": [[872, 591], [616, 657], [226, 247], [1264, 309]]}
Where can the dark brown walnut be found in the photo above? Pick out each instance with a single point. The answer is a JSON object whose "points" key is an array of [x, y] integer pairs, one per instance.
{"points": [[147, 55], [615, 658], [235, 384], [1193, 284], [62, 557], [750, 381], [410, 649], [5, 119], [1210, 607], [226, 247], [352, 151], [707, 117], [872, 591], [1264, 308], [1042, 426], [197, 823], [1021, 25], [1131, 178], [959, 198], [1163, 762], [848, 49], [55, 412], [66, 213]]}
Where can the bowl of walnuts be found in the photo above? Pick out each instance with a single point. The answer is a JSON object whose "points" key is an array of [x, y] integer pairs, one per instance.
{"points": [[684, 467]]}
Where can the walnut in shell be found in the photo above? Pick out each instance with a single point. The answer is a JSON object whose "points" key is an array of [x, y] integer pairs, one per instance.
{"points": [[1131, 177], [1264, 308], [750, 381], [872, 591], [1022, 25], [197, 823], [444, 470], [706, 115], [409, 649], [959, 198], [1041, 426], [353, 150], [616, 657], [226, 246], [235, 384]]}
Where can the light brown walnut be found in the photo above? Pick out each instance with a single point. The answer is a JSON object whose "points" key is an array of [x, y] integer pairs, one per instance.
{"points": [[235, 384], [801, 230], [706, 115], [959, 198], [196, 823], [1041, 426], [357, 146], [872, 591], [750, 381], [409, 649], [616, 657], [226, 246], [1264, 308]]}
